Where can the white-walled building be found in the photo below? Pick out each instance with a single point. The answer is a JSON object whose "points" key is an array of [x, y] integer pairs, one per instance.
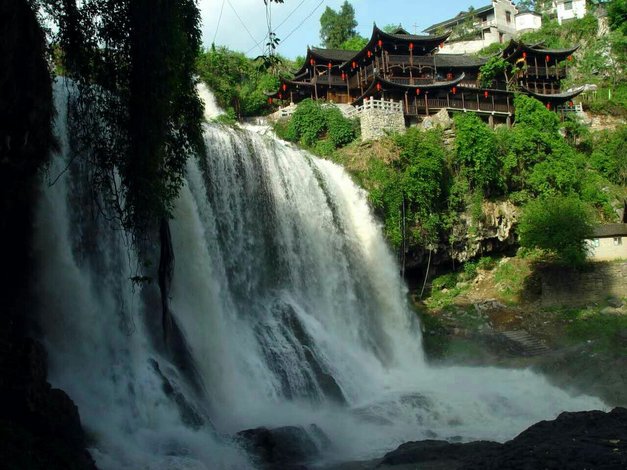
{"points": [[476, 29], [569, 9], [528, 21], [473, 30], [609, 243]]}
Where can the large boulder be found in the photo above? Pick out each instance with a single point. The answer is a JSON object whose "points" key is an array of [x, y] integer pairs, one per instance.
{"points": [[573, 441], [288, 447], [440, 119]]}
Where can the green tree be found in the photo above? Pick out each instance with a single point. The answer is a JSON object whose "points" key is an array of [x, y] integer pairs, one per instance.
{"points": [[354, 43], [336, 27], [609, 156], [617, 15], [559, 225], [135, 69], [476, 156]]}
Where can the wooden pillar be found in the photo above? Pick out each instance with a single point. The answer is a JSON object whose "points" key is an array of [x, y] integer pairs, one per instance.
{"points": [[348, 89], [508, 110], [493, 108], [463, 104], [478, 105], [508, 121], [535, 61], [491, 121], [426, 104], [406, 104], [448, 99], [316, 89]]}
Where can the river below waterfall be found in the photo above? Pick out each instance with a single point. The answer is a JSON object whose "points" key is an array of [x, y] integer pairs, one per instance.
{"points": [[291, 308]]}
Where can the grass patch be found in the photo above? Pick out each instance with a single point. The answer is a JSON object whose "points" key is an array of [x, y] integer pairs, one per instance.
{"points": [[603, 329], [509, 279]]}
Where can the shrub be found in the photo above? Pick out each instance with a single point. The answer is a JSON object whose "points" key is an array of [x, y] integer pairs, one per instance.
{"points": [[559, 225]]}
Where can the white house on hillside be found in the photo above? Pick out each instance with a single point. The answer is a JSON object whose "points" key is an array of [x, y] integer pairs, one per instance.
{"points": [[528, 21], [569, 9], [475, 29]]}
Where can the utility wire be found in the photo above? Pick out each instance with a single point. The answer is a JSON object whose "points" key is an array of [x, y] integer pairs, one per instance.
{"points": [[291, 13], [283, 22], [243, 24], [219, 18], [301, 23]]}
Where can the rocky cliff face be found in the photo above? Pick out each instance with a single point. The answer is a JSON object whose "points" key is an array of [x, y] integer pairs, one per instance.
{"points": [[472, 236]]}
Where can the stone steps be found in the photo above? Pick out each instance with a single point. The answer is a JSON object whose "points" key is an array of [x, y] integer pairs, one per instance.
{"points": [[525, 343]]}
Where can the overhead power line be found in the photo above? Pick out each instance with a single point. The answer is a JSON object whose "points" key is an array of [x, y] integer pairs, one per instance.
{"points": [[219, 19], [242, 23]]}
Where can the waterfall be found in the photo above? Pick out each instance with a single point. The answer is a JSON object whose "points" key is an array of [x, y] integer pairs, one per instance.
{"points": [[291, 307]]}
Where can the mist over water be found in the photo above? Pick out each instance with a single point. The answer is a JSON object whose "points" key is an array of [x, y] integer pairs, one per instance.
{"points": [[291, 307]]}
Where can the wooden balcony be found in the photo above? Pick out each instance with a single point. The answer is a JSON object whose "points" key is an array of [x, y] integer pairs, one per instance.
{"points": [[422, 106], [546, 71]]}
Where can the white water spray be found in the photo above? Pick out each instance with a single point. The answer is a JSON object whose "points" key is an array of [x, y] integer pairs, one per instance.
{"points": [[291, 307]]}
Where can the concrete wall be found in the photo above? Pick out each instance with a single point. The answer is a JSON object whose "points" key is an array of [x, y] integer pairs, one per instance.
{"points": [[578, 9], [572, 287], [468, 47], [528, 22], [501, 8], [608, 248]]}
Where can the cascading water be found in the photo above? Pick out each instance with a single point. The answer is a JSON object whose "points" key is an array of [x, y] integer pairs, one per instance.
{"points": [[291, 308]]}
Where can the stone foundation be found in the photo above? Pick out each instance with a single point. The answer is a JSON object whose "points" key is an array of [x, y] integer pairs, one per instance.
{"points": [[379, 117]]}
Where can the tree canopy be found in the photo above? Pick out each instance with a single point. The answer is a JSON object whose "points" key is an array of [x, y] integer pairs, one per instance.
{"points": [[559, 225], [336, 27]]}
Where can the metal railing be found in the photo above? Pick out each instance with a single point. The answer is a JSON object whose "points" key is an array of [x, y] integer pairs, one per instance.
{"points": [[576, 108]]}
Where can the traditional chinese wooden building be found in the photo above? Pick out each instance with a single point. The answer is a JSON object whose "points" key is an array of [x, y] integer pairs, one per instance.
{"points": [[407, 68]]}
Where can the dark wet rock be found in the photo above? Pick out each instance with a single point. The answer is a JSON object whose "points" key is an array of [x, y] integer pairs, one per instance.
{"points": [[615, 302], [189, 415], [573, 441], [288, 447], [40, 427], [430, 450]]}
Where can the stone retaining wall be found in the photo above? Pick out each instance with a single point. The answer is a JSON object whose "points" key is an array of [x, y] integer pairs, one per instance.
{"points": [[572, 287], [376, 122]]}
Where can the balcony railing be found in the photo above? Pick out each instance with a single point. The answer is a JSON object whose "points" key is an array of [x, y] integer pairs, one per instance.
{"points": [[432, 105]]}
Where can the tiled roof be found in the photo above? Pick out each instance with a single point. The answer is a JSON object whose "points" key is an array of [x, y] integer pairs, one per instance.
{"points": [[460, 17], [610, 230], [339, 55]]}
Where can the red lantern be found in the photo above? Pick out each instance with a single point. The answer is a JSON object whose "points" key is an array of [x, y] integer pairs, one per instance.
{"points": [[369, 54], [548, 106], [524, 55], [280, 96], [570, 57], [485, 94], [378, 87], [354, 64], [411, 46], [454, 90], [343, 76], [284, 87], [380, 43], [441, 45], [417, 91], [547, 58], [270, 100], [312, 62], [330, 65]]}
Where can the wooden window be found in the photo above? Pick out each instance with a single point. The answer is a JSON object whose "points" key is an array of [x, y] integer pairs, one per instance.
{"points": [[508, 17]]}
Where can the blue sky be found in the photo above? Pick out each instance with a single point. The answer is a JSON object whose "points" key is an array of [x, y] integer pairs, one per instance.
{"points": [[301, 20]]}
